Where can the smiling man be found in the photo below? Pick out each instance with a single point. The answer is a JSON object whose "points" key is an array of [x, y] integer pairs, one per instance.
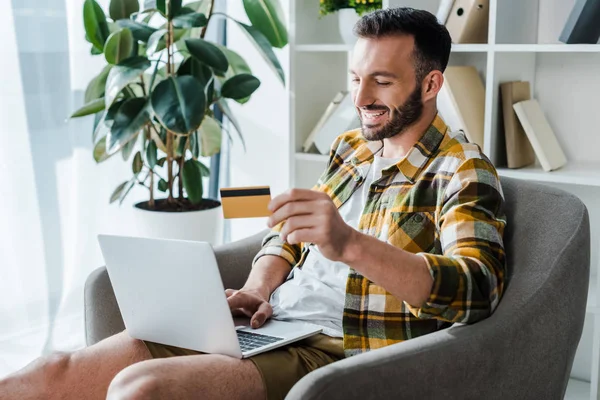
{"points": [[401, 237]]}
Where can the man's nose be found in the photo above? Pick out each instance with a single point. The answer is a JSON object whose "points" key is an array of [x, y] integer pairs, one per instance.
{"points": [[363, 96]]}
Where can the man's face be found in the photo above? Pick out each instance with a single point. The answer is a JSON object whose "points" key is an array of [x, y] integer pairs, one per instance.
{"points": [[386, 93]]}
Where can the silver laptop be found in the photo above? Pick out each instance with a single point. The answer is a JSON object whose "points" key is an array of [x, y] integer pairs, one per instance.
{"points": [[170, 292]]}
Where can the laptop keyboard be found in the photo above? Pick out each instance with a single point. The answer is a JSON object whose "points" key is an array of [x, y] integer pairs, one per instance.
{"points": [[250, 341]]}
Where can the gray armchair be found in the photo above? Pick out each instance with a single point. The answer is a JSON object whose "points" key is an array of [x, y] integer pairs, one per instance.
{"points": [[525, 350]]}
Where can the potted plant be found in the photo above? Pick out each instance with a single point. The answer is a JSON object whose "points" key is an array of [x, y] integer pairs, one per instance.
{"points": [[155, 100], [348, 13]]}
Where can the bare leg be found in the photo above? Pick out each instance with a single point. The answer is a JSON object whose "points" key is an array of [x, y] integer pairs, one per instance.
{"points": [[189, 377], [82, 374]]}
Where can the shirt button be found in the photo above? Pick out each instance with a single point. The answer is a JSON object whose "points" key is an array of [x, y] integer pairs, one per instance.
{"points": [[418, 218], [357, 178], [354, 160]]}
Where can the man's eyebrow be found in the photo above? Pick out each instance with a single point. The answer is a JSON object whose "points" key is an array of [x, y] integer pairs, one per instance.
{"points": [[379, 73]]}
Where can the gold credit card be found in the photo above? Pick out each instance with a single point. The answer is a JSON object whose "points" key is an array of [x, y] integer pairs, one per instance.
{"points": [[246, 202]]}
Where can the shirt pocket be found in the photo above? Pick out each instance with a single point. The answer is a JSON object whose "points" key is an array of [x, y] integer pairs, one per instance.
{"points": [[414, 231]]}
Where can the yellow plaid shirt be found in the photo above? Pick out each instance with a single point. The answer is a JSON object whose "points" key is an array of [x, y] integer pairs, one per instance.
{"points": [[443, 201]]}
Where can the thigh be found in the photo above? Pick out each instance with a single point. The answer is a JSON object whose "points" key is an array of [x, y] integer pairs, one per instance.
{"points": [[205, 376]]}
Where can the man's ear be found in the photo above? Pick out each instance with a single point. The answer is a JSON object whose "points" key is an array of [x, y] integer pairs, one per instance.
{"points": [[432, 84]]}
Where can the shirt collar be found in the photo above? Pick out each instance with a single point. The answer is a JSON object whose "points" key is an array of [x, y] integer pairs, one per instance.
{"points": [[416, 158]]}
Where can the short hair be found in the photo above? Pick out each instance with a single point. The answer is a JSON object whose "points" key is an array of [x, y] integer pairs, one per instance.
{"points": [[432, 40]]}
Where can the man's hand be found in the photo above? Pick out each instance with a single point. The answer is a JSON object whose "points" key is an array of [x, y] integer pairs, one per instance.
{"points": [[311, 216], [250, 303]]}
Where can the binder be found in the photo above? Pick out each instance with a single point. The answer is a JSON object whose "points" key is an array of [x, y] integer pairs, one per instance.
{"points": [[444, 11], [340, 117], [519, 152], [540, 134], [461, 102], [310, 140], [583, 25], [468, 21]]}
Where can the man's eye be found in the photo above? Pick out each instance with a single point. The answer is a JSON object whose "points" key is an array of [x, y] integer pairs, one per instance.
{"points": [[384, 83]]}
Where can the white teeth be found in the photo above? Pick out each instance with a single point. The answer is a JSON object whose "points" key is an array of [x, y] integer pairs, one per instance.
{"points": [[372, 115]]}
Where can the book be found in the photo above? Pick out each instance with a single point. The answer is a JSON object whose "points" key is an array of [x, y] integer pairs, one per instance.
{"points": [[519, 152], [333, 123], [583, 24], [468, 21], [444, 11], [461, 102], [540, 134], [310, 139]]}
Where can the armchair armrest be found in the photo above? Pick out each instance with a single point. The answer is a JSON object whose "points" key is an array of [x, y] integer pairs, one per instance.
{"points": [[102, 315]]}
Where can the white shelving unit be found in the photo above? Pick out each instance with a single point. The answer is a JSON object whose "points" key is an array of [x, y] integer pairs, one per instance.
{"points": [[522, 45]]}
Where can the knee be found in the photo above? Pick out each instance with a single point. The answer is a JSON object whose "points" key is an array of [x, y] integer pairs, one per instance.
{"points": [[133, 383], [55, 365]]}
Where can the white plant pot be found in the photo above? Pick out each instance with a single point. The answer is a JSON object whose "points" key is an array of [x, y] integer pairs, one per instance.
{"points": [[203, 225], [347, 17]]}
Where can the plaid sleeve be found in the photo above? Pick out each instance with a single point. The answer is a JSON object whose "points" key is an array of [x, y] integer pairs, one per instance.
{"points": [[468, 279]]}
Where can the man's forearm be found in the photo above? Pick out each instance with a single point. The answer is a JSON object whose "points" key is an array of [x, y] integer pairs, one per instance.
{"points": [[403, 274], [267, 274]]}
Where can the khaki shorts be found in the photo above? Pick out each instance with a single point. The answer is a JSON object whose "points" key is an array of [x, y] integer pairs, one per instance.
{"points": [[281, 368]]}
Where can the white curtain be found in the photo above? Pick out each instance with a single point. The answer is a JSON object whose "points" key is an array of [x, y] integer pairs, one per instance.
{"points": [[53, 196]]}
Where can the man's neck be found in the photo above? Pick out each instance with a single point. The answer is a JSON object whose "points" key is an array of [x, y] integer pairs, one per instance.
{"points": [[399, 145]]}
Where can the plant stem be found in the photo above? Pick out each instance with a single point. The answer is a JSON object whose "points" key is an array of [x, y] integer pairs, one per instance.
{"points": [[151, 203], [210, 11], [169, 133]]}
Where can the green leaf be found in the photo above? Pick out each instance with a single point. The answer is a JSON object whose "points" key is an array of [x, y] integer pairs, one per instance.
{"points": [[195, 68], [201, 6], [207, 53], [187, 18], [237, 65], [192, 180], [222, 103], [116, 195], [161, 161], [129, 120], [95, 88], [210, 137], [154, 41], [119, 46], [109, 119], [173, 5], [163, 186], [127, 149], [179, 145], [154, 73], [264, 48], [204, 170], [210, 91], [240, 86], [139, 31], [137, 164], [100, 151], [267, 16], [120, 9], [151, 154], [179, 103], [94, 51], [127, 189], [92, 107], [95, 24], [120, 75], [177, 35], [159, 5], [195, 145]]}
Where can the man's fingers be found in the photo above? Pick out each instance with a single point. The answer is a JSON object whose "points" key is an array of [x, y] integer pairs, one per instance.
{"points": [[243, 300], [294, 194], [240, 312], [263, 313], [290, 210], [230, 292]]}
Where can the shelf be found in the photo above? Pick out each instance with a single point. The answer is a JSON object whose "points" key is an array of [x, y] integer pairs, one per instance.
{"points": [[577, 390], [339, 47], [548, 48], [322, 158], [587, 174]]}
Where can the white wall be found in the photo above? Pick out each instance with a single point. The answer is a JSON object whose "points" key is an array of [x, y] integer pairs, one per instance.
{"points": [[264, 124]]}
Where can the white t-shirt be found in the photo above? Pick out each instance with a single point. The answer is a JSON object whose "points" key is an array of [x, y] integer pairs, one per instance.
{"points": [[316, 291]]}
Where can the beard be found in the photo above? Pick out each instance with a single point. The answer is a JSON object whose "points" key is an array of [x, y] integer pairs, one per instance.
{"points": [[404, 116]]}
